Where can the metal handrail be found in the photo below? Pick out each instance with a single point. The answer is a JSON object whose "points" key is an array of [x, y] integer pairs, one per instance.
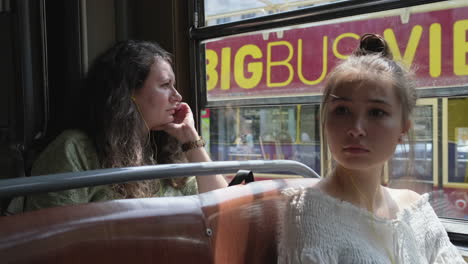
{"points": [[64, 181]]}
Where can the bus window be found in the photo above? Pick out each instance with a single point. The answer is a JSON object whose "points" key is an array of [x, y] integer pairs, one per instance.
{"points": [[455, 144], [266, 73], [224, 11], [308, 149], [282, 132], [413, 164], [274, 132]]}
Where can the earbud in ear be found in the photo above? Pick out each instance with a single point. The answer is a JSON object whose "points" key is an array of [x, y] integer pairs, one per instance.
{"points": [[400, 138]]}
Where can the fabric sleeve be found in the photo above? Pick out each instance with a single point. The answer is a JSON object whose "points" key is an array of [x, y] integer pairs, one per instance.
{"points": [[288, 251], [292, 243], [190, 188], [70, 152], [438, 246]]}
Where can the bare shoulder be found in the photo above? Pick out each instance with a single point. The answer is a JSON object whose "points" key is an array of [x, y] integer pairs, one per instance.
{"points": [[404, 197]]}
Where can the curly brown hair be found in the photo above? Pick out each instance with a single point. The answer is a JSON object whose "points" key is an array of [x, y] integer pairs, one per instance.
{"points": [[114, 122]]}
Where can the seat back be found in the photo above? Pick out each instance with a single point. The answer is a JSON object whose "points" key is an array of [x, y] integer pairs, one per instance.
{"points": [[153, 230], [245, 219], [232, 225]]}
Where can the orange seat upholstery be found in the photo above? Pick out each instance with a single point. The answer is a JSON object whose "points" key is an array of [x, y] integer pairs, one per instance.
{"points": [[232, 225], [245, 220]]}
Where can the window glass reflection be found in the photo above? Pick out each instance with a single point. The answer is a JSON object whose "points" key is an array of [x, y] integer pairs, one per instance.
{"points": [[455, 178], [418, 174], [276, 132]]}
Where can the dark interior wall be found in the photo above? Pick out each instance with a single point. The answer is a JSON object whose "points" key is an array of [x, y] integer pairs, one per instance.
{"points": [[100, 27], [64, 61], [6, 70], [152, 20], [22, 104], [7, 98], [77, 30], [166, 22]]}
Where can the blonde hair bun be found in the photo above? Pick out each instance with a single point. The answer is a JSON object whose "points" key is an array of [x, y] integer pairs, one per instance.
{"points": [[373, 44]]}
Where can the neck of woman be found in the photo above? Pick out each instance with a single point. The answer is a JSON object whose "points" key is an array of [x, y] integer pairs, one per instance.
{"points": [[359, 187]]}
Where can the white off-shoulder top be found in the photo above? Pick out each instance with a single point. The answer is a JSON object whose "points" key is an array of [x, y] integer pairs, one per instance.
{"points": [[318, 228]]}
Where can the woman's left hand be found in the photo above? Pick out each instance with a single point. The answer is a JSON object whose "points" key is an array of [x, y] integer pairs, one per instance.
{"points": [[183, 125]]}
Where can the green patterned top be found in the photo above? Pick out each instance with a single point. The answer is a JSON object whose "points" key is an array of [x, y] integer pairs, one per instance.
{"points": [[73, 151]]}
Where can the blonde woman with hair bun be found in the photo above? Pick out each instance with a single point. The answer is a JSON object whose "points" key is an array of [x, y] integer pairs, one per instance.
{"points": [[349, 217]]}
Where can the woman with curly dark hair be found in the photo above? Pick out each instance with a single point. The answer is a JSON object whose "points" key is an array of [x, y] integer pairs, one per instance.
{"points": [[133, 116]]}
